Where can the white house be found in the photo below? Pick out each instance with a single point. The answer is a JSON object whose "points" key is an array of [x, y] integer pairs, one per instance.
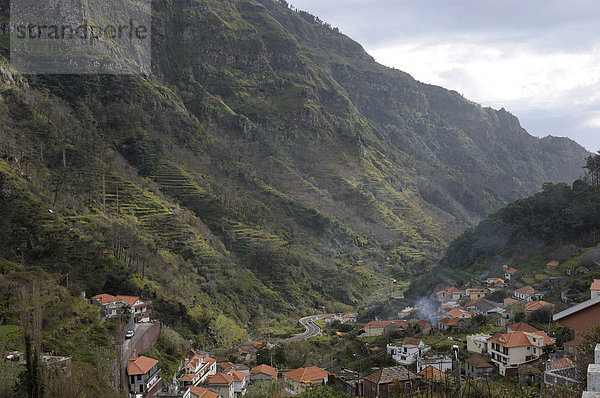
{"points": [[478, 343], [526, 293], [240, 381], [407, 353], [140, 310], [196, 370], [510, 350]]}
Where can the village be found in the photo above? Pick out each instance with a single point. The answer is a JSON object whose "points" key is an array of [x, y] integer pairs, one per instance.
{"points": [[456, 334], [459, 333]]}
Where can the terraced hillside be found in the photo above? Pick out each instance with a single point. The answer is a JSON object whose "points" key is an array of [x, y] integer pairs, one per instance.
{"points": [[269, 167]]}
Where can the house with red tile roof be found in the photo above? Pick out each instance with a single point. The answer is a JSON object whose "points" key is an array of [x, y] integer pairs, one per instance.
{"points": [[538, 305], [406, 354], [196, 370], [458, 313], [526, 293], [200, 392], [476, 367], [111, 305], [424, 327], [390, 382], [240, 381], [553, 264], [383, 328], [510, 301], [143, 375], [298, 380], [495, 283], [222, 384], [432, 374], [521, 327], [511, 350], [263, 373]]}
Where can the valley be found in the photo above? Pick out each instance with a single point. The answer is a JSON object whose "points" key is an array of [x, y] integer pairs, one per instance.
{"points": [[268, 171]]}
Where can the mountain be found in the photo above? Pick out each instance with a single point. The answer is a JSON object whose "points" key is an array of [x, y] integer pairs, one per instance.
{"points": [[268, 166]]}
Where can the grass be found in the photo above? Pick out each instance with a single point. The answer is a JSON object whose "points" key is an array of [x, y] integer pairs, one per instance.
{"points": [[10, 334]]}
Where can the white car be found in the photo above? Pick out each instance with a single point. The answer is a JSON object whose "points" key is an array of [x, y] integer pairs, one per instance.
{"points": [[129, 334]]}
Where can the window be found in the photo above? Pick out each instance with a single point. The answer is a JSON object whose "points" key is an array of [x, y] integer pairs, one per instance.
{"points": [[139, 377]]}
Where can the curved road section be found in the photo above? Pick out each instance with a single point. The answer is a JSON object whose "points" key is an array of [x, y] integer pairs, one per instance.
{"points": [[312, 329]]}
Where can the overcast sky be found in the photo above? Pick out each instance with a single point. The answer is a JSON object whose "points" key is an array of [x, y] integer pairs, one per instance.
{"points": [[539, 59]]}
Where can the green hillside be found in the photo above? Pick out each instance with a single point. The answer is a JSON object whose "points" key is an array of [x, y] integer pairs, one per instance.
{"points": [[560, 223], [267, 169]]}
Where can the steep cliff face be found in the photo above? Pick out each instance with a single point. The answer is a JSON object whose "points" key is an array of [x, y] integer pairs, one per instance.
{"points": [[268, 165]]}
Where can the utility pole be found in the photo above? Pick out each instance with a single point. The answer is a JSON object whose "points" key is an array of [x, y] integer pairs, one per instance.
{"points": [[457, 370]]}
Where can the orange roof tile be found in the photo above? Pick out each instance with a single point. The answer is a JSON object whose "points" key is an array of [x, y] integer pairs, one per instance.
{"points": [[220, 378], [431, 373], [400, 324], [377, 324], [450, 321], [509, 340], [104, 298], [479, 362], [595, 285], [264, 369], [424, 325], [538, 305], [411, 341], [128, 299], [238, 375], [201, 392], [470, 303], [458, 312], [562, 363], [522, 327], [542, 334], [108, 298], [511, 270], [140, 365], [302, 375], [453, 289], [528, 290], [553, 264], [510, 301], [225, 365]]}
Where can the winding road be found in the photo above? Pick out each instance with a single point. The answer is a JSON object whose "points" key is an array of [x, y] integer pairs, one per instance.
{"points": [[312, 329]]}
